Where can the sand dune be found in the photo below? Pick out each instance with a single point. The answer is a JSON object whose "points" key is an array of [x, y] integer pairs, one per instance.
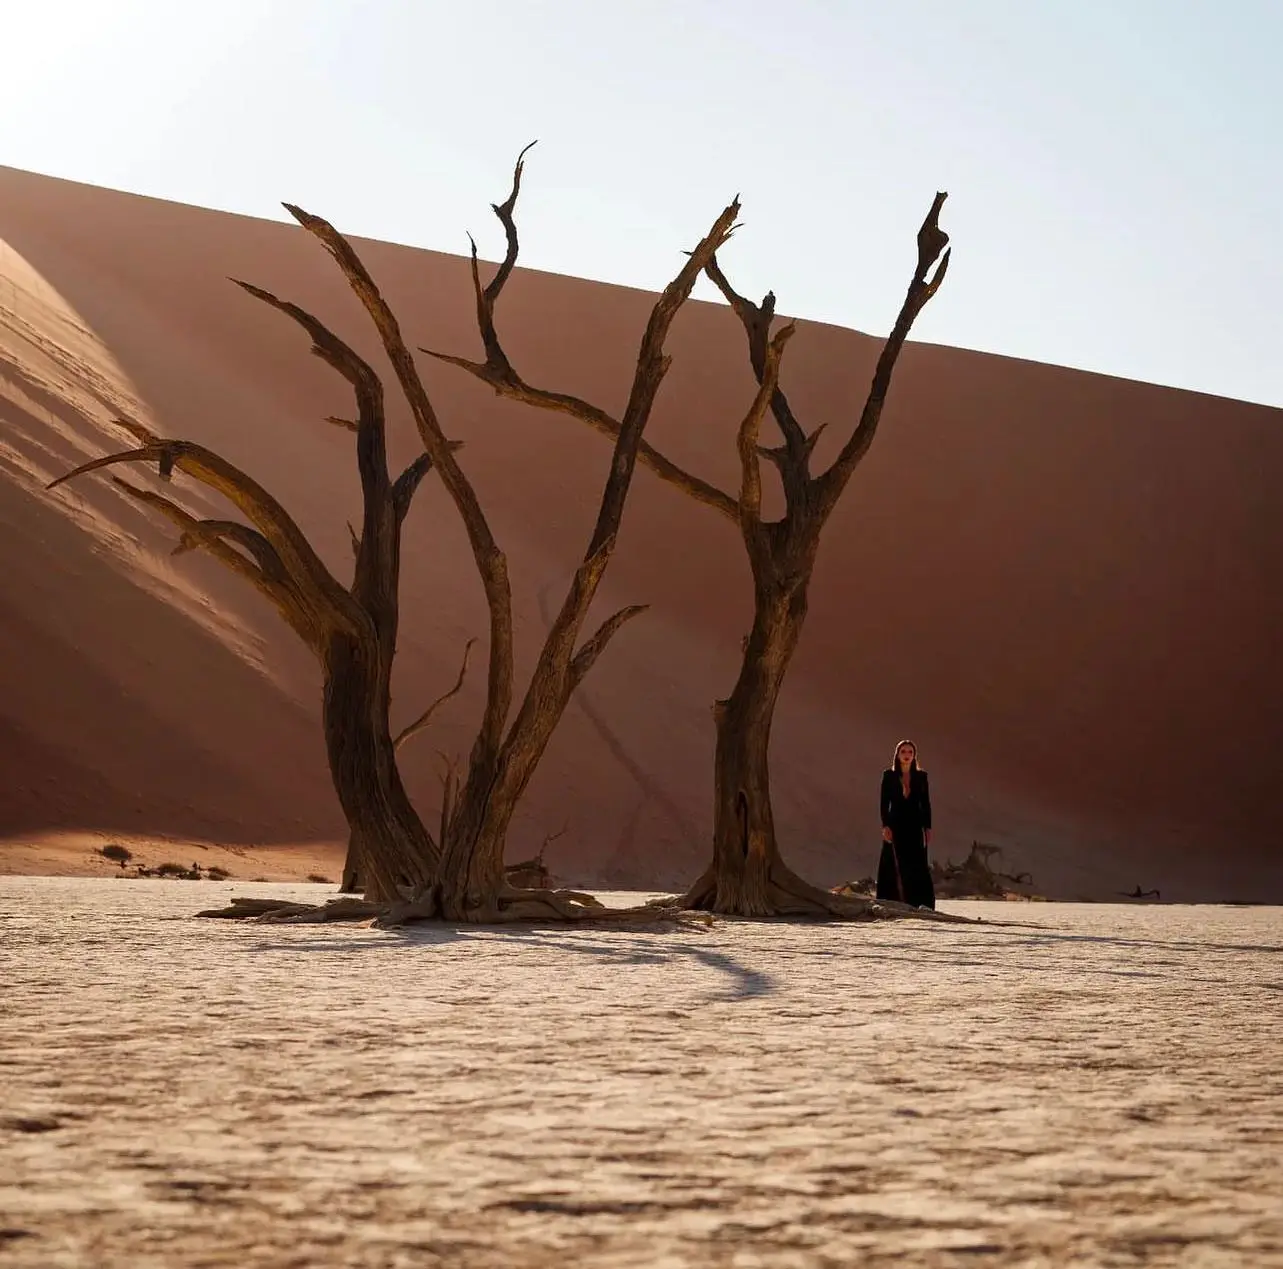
{"points": [[1064, 586]]}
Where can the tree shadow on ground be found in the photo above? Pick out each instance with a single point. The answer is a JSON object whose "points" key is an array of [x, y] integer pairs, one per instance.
{"points": [[1170, 945], [658, 946], [1166, 971], [634, 948]]}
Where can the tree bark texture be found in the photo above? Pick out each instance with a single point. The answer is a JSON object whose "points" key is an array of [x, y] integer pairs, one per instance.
{"points": [[391, 855], [745, 848]]}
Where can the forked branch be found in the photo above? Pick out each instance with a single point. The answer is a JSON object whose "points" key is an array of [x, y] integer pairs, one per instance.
{"points": [[196, 532], [257, 562], [489, 294], [489, 559], [497, 370], [326, 602], [407, 483], [756, 320], [932, 240], [750, 503], [652, 365]]}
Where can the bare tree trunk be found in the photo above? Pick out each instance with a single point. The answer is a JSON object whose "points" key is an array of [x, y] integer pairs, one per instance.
{"points": [[747, 876], [472, 876], [388, 849], [350, 878], [474, 883]]}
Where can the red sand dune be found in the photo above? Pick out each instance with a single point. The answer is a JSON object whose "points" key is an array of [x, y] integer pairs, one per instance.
{"points": [[1064, 586]]}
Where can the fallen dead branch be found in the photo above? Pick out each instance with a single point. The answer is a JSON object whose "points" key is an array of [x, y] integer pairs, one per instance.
{"points": [[526, 906]]}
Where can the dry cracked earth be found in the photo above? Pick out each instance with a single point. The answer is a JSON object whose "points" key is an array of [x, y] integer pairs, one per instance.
{"points": [[1099, 1088]]}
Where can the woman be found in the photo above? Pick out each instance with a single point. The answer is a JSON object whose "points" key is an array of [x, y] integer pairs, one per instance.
{"points": [[903, 872]]}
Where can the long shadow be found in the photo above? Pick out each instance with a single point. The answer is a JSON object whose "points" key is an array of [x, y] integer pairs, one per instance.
{"points": [[1116, 940], [1035, 968], [746, 982], [654, 947], [653, 793]]}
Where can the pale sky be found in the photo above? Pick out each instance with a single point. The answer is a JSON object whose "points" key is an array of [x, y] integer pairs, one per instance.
{"points": [[1115, 168]]}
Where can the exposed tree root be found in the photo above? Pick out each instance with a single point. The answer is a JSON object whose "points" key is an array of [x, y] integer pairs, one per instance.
{"points": [[787, 895], [276, 911], [510, 906], [513, 905]]}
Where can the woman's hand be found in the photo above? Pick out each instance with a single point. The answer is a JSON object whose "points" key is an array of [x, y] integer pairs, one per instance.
{"points": [[886, 834], [926, 836]]}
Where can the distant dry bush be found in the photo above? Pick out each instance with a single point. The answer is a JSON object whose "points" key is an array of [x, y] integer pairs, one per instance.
{"points": [[117, 854], [171, 870], [320, 881], [217, 874]]}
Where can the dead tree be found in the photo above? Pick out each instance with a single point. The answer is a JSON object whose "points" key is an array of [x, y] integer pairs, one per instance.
{"points": [[747, 875], [471, 882], [409, 873], [351, 629]]}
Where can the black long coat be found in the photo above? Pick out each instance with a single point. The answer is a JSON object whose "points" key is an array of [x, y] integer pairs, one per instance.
{"points": [[904, 873]]}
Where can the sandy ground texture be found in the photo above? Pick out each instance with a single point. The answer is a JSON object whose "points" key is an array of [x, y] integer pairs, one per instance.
{"points": [[1101, 1087]]}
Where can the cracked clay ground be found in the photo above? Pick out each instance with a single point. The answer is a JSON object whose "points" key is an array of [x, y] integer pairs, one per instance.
{"points": [[1104, 1090]]}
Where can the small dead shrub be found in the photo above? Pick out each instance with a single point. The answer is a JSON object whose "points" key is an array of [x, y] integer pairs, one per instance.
{"points": [[117, 854], [318, 879]]}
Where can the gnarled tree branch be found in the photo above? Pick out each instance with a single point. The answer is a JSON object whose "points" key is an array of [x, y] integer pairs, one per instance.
{"points": [[750, 501], [487, 296], [756, 320], [595, 645], [376, 551], [328, 603], [932, 240], [490, 561], [652, 365], [251, 540], [499, 373], [370, 427], [425, 718], [264, 571], [407, 483]]}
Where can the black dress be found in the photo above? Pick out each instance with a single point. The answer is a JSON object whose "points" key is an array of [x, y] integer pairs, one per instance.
{"points": [[903, 872]]}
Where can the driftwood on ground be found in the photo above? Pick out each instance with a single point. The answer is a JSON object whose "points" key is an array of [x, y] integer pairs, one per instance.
{"points": [[974, 878]]}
